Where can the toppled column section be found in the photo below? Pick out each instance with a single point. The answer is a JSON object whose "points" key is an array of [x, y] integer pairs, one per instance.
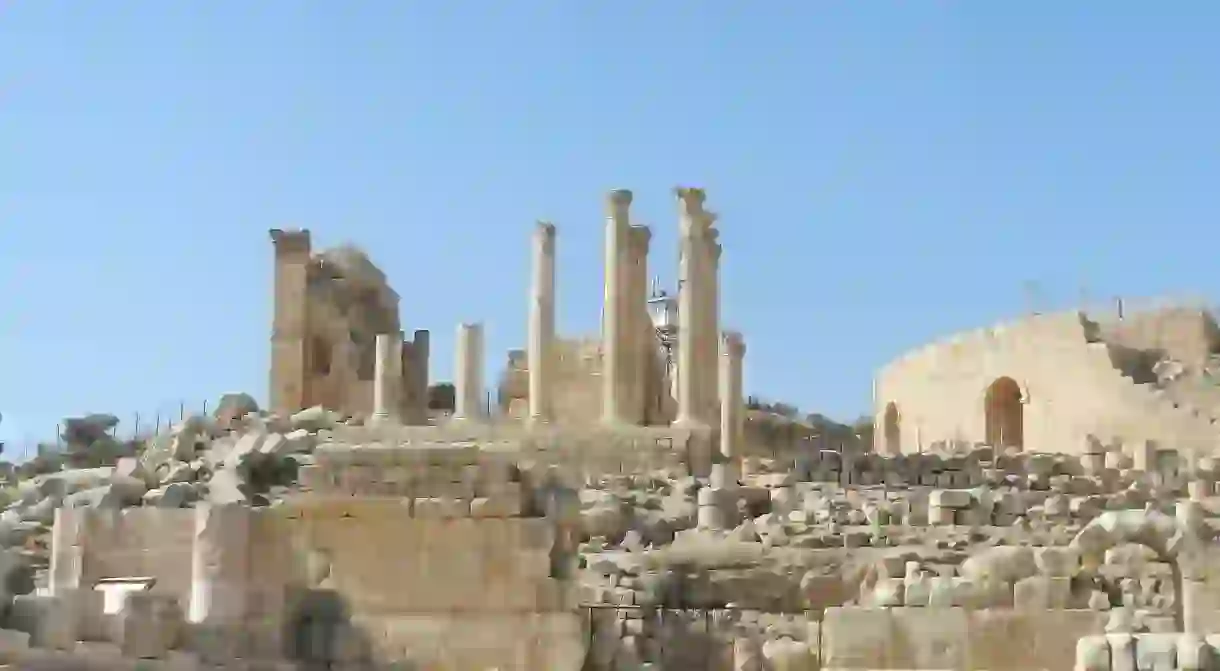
{"points": [[542, 324], [615, 317], [468, 372], [387, 377]]}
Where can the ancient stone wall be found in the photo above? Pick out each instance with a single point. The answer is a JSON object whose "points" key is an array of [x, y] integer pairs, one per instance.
{"points": [[578, 385], [329, 309], [1045, 383]]}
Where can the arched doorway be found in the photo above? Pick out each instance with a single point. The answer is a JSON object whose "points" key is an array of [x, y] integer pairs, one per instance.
{"points": [[892, 429], [1004, 412]]}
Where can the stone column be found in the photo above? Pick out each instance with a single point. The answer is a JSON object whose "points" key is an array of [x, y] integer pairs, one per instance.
{"points": [[615, 348], [387, 378], [468, 372], [639, 326], [711, 320], [415, 373], [220, 572], [290, 322], [542, 324], [697, 330], [732, 405]]}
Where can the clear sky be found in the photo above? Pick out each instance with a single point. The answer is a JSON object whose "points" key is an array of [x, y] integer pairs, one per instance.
{"points": [[886, 172]]}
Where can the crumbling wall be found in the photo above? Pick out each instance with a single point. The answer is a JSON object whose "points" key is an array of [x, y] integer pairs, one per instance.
{"points": [[329, 309]]}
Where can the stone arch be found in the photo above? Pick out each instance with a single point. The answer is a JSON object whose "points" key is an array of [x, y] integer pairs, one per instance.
{"points": [[892, 429], [1175, 543], [1004, 413]]}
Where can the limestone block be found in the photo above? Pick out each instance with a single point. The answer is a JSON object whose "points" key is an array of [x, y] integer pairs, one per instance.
{"points": [[950, 498], [1122, 652], [1194, 654], [1040, 593], [857, 638], [938, 516], [49, 621], [923, 642], [1156, 652], [440, 508], [13, 644], [150, 625], [505, 504], [1093, 654]]}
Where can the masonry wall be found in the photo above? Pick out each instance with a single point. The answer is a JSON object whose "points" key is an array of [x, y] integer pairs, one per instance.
{"points": [[139, 542], [1070, 389]]}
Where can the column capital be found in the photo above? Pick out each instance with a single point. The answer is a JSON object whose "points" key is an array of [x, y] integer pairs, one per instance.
{"points": [[690, 198], [640, 238], [544, 228], [733, 343], [619, 198]]}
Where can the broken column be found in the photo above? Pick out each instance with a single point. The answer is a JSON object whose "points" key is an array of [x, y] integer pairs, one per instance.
{"points": [[220, 560], [542, 324], [387, 377], [732, 406], [615, 327], [468, 372], [290, 330], [697, 345]]}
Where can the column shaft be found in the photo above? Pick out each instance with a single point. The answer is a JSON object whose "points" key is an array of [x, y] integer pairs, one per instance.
{"points": [[290, 321], [732, 404], [220, 564], [614, 319], [698, 333], [542, 324], [387, 377], [468, 372], [639, 326]]}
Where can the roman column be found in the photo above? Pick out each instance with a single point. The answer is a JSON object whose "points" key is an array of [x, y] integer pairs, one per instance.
{"points": [[387, 377], [710, 314], [615, 350], [697, 320], [732, 405], [542, 323], [468, 372], [639, 326]]}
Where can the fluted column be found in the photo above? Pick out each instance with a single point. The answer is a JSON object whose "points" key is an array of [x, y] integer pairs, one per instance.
{"points": [[542, 323], [732, 404], [468, 372], [387, 377], [615, 326]]}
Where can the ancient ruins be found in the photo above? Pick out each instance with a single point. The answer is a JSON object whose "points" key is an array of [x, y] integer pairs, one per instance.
{"points": [[1041, 495]]}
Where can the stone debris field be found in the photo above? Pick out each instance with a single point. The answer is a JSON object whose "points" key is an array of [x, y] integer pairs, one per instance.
{"points": [[622, 507]]}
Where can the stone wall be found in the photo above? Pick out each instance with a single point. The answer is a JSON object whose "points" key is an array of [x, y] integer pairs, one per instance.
{"points": [[1065, 386], [329, 309]]}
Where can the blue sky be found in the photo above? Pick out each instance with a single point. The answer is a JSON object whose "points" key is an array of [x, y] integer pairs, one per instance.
{"points": [[886, 172]]}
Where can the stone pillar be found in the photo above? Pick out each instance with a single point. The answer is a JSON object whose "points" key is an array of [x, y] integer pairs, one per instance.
{"points": [[697, 345], [289, 390], [642, 344], [387, 377], [415, 377], [468, 372], [732, 405], [220, 572], [67, 550], [615, 327], [542, 325], [711, 320]]}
